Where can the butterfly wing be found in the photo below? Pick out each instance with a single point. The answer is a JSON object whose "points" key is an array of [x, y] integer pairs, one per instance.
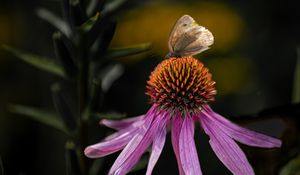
{"points": [[195, 46], [182, 25], [188, 38], [183, 41]]}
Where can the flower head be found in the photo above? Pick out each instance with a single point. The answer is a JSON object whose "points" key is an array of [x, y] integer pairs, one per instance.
{"points": [[181, 84], [179, 90]]}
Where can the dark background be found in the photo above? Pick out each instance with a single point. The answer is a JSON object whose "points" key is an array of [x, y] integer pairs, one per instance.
{"points": [[252, 61]]}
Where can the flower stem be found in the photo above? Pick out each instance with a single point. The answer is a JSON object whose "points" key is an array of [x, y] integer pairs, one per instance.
{"points": [[83, 96]]}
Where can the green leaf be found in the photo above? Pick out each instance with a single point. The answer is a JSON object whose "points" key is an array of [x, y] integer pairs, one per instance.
{"points": [[96, 28], [99, 27], [56, 21], [72, 159], [87, 26], [109, 74], [40, 62], [63, 108], [64, 55], [127, 51], [94, 6], [292, 167], [296, 86], [111, 115], [101, 44], [113, 6], [77, 14], [42, 116], [96, 95]]}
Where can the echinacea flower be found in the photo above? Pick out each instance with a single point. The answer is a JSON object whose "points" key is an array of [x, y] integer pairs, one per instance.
{"points": [[179, 89]]}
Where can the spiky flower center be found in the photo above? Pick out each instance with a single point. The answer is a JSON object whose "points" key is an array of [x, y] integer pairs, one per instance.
{"points": [[181, 84]]}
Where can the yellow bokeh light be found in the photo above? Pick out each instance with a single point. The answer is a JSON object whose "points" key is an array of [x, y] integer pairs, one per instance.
{"points": [[153, 23], [231, 73]]}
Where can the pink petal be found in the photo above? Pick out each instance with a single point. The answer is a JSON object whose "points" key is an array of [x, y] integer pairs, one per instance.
{"points": [[130, 128], [157, 146], [110, 145], [136, 147], [226, 149], [121, 132], [120, 124], [118, 140], [240, 134], [176, 127], [187, 148], [135, 125]]}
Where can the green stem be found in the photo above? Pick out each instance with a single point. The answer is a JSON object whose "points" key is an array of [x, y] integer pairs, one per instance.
{"points": [[83, 98]]}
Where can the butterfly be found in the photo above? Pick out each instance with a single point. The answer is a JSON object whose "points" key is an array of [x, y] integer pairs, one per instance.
{"points": [[187, 38]]}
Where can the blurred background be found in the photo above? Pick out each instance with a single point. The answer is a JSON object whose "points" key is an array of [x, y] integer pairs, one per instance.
{"points": [[253, 61]]}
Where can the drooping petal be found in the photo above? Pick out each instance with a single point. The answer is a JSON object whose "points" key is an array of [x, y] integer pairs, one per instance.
{"points": [[137, 146], [176, 127], [118, 140], [120, 124], [226, 149], [135, 125], [130, 129], [157, 146], [187, 148], [128, 150], [115, 141], [240, 134], [110, 145]]}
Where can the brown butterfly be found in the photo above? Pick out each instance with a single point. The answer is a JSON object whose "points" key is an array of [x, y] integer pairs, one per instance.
{"points": [[187, 38]]}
